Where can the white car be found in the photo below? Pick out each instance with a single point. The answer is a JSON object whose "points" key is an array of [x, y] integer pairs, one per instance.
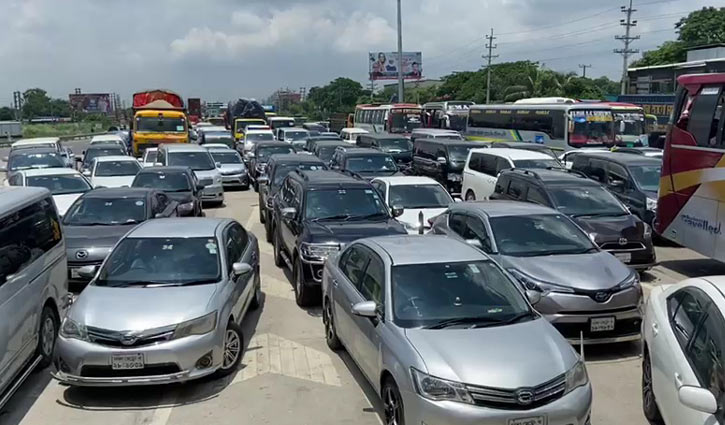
{"points": [[45, 142], [349, 134], [251, 137], [683, 362], [415, 195], [65, 184], [108, 138], [149, 157], [113, 171], [483, 166]]}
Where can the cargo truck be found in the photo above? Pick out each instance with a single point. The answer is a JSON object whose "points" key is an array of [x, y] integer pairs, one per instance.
{"points": [[159, 117]]}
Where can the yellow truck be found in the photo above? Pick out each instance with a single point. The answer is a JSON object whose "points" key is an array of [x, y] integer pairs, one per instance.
{"points": [[159, 117]]}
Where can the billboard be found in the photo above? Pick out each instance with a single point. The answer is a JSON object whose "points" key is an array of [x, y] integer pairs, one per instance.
{"points": [[93, 103], [384, 65]]}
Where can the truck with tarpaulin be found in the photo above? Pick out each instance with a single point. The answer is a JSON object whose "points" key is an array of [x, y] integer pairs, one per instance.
{"points": [[159, 116]]}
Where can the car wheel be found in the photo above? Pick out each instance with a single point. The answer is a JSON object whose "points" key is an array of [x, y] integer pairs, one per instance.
{"points": [[330, 332], [232, 350], [649, 404], [278, 261], [470, 196], [261, 214], [256, 187], [392, 403], [47, 334], [303, 293]]}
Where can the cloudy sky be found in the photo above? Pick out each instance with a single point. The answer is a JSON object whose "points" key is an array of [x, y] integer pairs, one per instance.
{"points": [[223, 49]]}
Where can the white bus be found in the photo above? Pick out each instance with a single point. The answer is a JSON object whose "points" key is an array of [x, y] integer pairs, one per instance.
{"points": [[399, 118]]}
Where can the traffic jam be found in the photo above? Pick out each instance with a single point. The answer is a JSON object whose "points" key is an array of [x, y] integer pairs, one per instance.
{"points": [[464, 256]]}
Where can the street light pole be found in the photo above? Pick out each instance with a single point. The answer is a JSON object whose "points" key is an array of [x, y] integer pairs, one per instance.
{"points": [[400, 55]]}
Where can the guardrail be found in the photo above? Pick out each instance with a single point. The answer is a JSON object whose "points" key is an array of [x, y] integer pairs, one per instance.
{"points": [[6, 142]]}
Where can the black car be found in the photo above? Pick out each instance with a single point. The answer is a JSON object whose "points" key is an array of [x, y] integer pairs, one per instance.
{"points": [[314, 127], [313, 140], [365, 162], [634, 179], [442, 160], [260, 155], [100, 217], [277, 169], [178, 183], [98, 150], [318, 212], [400, 148], [608, 222], [325, 149]]}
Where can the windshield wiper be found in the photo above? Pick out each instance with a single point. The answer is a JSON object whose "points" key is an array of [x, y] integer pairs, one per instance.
{"points": [[140, 283], [511, 320], [619, 214], [333, 217], [369, 216], [462, 321]]}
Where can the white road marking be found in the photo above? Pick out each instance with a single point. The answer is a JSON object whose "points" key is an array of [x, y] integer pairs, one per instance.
{"points": [[160, 415]]}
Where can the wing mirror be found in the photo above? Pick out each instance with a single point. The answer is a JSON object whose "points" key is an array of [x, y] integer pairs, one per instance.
{"points": [[3, 169], [263, 180], [366, 309], [475, 243], [87, 173], [241, 269], [289, 213], [441, 160], [87, 272], [397, 210], [218, 164], [698, 399], [200, 187], [533, 296]]}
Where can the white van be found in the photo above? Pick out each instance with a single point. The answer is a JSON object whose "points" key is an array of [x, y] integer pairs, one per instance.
{"points": [[484, 164], [33, 283]]}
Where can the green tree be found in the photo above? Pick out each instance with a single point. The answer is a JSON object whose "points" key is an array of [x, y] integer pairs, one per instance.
{"points": [[36, 103], [7, 114], [340, 95], [668, 52]]}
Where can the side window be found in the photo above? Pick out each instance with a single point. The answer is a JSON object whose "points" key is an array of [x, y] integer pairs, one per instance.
{"points": [[596, 169], [457, 223], [536, 196], [163, 201], [297, 196], [516, 189], [371, 286], [353, 264], [440, 153], [705, 354], [617, 177], [687, 314], [501, 183], [476, 230], [380, 187], [488, 165], [15, 180], [236, 241], [702, 115], [502, 164], [160, 157], [475, 162]]}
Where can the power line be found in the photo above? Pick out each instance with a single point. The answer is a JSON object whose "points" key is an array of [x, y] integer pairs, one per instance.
{"points": [[490, 46], [627, 39]]}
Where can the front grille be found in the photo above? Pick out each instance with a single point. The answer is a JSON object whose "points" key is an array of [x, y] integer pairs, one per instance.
{"points": [[624, 327], [149, 370], [520, 398], [84, 263], [615, 246], [119, 339]]}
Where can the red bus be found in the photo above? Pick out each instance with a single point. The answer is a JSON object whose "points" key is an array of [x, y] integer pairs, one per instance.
{"points": [[691, 200]]}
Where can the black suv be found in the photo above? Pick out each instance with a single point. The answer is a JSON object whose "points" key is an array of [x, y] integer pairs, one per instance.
{"points": [[442, 160], [325, 149], [260, 155], [178, 183], [608, 222], [634, 179], [278, 167], [313, 140], [315, 214], [399, 147], [367, 163]]}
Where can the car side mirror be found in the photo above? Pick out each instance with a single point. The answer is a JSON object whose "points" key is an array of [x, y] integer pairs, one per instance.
{"points": [[441, 160], [617, 183], [87, 272], [159, 215], [5, 159], [533, 296], [366, 309], [457, 199], [263, 180], [79, 158], [475, 243], [289, 213], [158, 164], [200, 187], [241, 269], [218, 164], [3, 169], [397, 210], [698, 399], [87, 173]]}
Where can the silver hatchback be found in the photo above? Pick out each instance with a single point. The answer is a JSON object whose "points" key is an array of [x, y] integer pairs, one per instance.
{"points": [[165, 306], [445, 336]]}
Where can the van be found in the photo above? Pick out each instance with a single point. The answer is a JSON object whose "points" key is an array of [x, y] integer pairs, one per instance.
{"points": [[398, 146], [442, 160], [33, 283], [201, 163]]}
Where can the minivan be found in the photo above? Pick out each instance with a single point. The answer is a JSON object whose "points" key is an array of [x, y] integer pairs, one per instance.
{"points": [[33, 283], [399, 147], [201, 163], [442, 160]]}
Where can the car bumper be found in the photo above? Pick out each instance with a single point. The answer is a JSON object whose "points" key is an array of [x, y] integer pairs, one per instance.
{"points": [[571, 409], [213, 193], [235, 180], [84, 363], [313, 272], [638, 259]]}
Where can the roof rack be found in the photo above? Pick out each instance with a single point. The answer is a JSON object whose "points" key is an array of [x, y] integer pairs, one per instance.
{"points": [[533, 173], [351, 174], [568, 171]]}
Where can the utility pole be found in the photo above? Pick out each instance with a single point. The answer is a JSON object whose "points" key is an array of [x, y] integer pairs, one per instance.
{"points": [[627, 40], [490, 46], [400, 55], [18, 105], [584, 69]]}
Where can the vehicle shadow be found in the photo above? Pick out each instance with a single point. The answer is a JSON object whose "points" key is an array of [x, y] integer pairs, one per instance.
{"points": [[611, 353], [160, 396], [314, 311], [695, 267], [23, 400], [367, 389]]}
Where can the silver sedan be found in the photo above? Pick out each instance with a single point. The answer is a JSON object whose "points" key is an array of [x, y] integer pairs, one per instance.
{"points": [[445, 336], [165, 306]]}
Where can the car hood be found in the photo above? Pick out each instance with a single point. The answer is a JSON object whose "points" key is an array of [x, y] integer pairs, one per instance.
{"points": [[612, 228], [128, 309], [410, 215], [93, 236], [372, 174], [112, 181], [348, 231], [589, 272], [232, 168], [63, 202], [207, 174], [522, 355]]}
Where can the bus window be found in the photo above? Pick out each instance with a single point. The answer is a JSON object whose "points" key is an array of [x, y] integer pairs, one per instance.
{"points": [[702, 123]]}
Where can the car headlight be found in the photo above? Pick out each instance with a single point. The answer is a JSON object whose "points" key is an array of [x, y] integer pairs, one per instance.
{"points": [[455, 177], [270, 202], [630, 281], [651, 204], [438, 389], [537, 285], [186, 207], [73, 329], [647, 230], [318, 251], [199, 326], [576, 377], [217, 179]]}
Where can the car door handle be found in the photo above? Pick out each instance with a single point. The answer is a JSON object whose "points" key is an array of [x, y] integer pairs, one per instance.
{"points": [[678, 380], [655, 329], [335, 283]]}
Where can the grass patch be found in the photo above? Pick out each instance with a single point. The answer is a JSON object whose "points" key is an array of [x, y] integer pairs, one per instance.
{"points": [[61, 129]]}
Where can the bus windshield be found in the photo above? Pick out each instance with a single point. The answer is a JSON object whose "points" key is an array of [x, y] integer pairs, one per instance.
{"points": [[404, 120], [629, 124], [591, 128]]}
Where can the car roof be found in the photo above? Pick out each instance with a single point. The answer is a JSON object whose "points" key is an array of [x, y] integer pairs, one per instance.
{"points": [[512, 154], [211, 147], [406, 180], [57, 171], [434, 131], [182, 147], [294, 158], [110, 158], [382, 136], [328, 178], [353, 130], [271, 143], [213, 128], [187, 227], [100, 146], [353, 151], [35, 141], [12, 197], [624, 158], [106, 137], [260, 131], [119, 192], [33, 151], [553, 176], [167, 169], [503, 208], [419, 249], [331, 143], [450, 142], [294, 129]]}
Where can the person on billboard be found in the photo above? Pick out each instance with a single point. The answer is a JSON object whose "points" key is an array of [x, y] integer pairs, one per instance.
{"points": [[415, 72], [379, 65], [390, 67]]}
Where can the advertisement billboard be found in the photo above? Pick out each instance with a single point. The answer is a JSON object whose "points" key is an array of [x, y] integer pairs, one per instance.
{"points": [[384, 65], [92, 103]]}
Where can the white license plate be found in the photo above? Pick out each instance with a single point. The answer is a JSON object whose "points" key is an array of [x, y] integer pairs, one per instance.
{"points": [[127, 361], [601, 324], [74, 274], [624, 257], [535, 420]]}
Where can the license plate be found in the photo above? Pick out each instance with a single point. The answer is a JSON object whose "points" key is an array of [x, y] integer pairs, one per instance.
{"points": [[127, 361], [601, 324], [624, 257], [74, 274], [535, 420]]}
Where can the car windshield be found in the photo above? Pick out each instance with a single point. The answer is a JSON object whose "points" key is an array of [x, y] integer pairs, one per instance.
{"points": [[316, 127], [149, 262], [419, 196], [117, 168], [395, 145], [371, 164], [296, 135], [325, 152], [344, 204], [106, 211], [197, 161], [60, 185], [223, 138], [240, 125], [431, 294], [647, 176], [231, 157], [281, 170], [634, 124], [458, 153], [160, 125], [111, 142], [150, 156], [259, 137], [168, 182], [536, 163], [92, 154], [404, 121], [26, 160], [265, 152], [586, 200], [536, 235]]}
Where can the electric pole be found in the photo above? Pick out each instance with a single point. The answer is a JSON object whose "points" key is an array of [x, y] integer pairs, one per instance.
{"points": [[400, 55], [18, 105], [490, 46], [584, 69], [627, 40]]}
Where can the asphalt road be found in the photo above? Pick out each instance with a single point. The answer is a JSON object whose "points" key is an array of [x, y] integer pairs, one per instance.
{"points": [[289, 376]]}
